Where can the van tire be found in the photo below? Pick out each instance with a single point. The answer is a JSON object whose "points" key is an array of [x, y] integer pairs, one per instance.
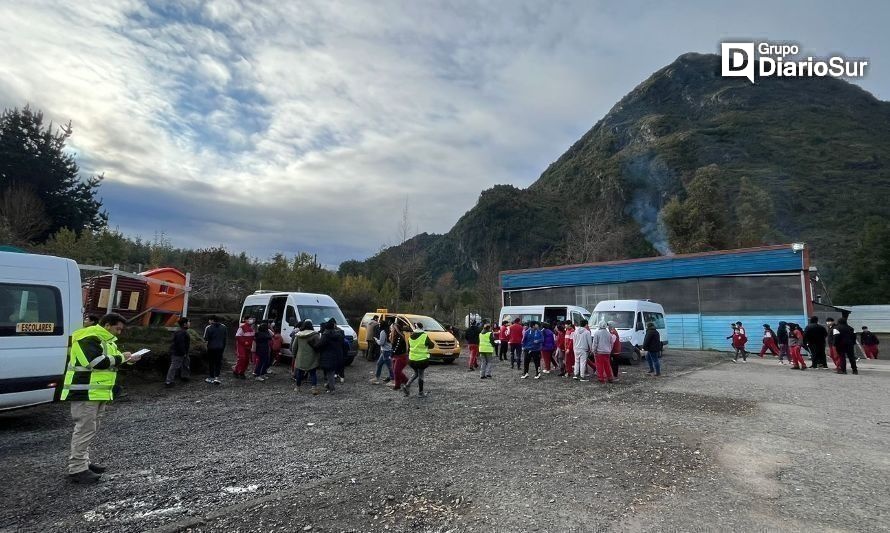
{"points": [[449, 360]]}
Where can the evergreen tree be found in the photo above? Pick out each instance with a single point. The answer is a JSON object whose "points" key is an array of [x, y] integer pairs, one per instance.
{"points": [[33, 157], [698, 222]]}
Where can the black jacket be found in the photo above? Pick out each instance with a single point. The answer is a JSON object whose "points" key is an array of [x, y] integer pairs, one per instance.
{"points": [[181, 343], [845, 340], [815, 335], [867, 338], [400, 346], [472, 335], [215, 335], [652, 340], [330, 347], [263, 341], [782, 333]]}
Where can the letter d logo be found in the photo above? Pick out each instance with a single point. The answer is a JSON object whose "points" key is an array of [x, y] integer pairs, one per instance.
{"points": [[737, 60]]}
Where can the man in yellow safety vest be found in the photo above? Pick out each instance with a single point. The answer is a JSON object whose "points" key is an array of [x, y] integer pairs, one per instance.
{"points": [[89, 385], [419, 344]]}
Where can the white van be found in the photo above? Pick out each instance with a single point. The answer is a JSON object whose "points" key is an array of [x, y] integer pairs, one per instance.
{"points": [[543, 313], [630, 318], [40, 307], [288, 309]]}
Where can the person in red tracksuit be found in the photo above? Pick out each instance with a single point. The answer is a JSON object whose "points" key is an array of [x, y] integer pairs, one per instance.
{"points": [[769, 341], [570, 350], [832, 350], [868, 341], [795, 343], [561, 348], [243, 342], [504, 336], [515, 339]]}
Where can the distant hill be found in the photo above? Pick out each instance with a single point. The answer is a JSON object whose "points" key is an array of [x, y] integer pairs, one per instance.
{"points": [[783, 160]]}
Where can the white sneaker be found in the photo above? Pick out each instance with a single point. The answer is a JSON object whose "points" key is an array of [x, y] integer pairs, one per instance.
{"points": [[342, 380], [524, 376], [259, 378], [538, 375], [574, 376], [216, 381], [546, 371], [208, 380]]}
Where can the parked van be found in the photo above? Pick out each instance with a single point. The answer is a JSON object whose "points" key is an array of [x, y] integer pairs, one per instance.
{"points": [[630, 318], [288, 309], [543, 313], [40, 307], [447, 347]]}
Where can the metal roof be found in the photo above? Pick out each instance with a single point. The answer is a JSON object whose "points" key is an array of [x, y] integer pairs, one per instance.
{"points": [[762, 260]]}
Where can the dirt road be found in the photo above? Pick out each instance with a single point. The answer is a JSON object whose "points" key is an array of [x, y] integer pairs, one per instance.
{"points": [[710, 445]]}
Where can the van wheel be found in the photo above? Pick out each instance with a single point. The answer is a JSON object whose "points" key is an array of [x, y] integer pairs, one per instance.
{"points": [[449, 360]]}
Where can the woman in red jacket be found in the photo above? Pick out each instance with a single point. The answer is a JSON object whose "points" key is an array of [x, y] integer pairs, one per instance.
{"points": [[243, 342]]}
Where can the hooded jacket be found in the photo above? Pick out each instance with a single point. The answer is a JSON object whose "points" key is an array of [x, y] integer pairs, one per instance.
{"points": [[330, 346], [602, 341], [306, 355]]}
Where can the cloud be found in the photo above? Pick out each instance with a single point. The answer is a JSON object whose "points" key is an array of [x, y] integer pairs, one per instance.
{"points": [[285, 126]]}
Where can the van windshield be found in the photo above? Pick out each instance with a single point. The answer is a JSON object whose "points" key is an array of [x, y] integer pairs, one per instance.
{"points": [[622, 319], [429, 324], [321, 313]]}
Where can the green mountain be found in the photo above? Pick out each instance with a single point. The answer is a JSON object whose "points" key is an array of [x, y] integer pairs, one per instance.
{"points": [[690, 161]]}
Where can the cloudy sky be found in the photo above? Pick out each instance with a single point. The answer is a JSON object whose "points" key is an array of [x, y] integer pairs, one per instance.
{"points": [[304, 125]]}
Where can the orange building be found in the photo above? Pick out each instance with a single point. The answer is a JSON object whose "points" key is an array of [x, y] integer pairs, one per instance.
{"points": [[163, 303]]}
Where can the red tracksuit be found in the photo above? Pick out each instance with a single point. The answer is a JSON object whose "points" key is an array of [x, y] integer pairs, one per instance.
{"points": [[570, 351], [242, 348], [796, 357], [769, 343]]}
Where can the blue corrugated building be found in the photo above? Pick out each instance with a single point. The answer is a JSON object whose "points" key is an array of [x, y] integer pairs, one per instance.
{"points": [[701, 293]]}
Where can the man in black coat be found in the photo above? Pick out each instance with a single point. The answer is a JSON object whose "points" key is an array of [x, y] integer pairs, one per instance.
{"points": [[814, 338], [845, 344], [179, 353]]}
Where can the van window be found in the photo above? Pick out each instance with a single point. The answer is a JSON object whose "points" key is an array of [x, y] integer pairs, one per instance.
{"points": [[576, 318], [30, 310], [524, 319], [321, 313], [622, 319], [255, 311], [655, 318]]}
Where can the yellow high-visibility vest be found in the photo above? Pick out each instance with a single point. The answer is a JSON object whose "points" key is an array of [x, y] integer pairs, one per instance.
{"points": [[82, 380], [418, 349]]}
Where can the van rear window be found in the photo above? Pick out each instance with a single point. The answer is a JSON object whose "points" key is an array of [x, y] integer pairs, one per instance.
{"points": [[30, 311]]}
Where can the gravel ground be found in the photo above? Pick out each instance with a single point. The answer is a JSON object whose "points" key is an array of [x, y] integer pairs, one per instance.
{"points": [[709, 445]]}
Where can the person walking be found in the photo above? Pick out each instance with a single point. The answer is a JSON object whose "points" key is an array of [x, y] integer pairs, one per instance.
{"points": [[602, 349], [570, 350], [215, 336], [262, 348], [769, 341], [869, 343], [486, 351], [615, 355], [583, 349], [243, 343], [306, 357], [782, 339], [795, 344], [371, 332], [90, 383], [331, 357], [814, 338], [400, 354], [845, 344], [739, 339], [832, 350], [548, 347], [515, 340], [652, 346], [179, 354], [472, 338], [419, 345], [532, 341], [504, 346], [385, 358], [561, 348]]}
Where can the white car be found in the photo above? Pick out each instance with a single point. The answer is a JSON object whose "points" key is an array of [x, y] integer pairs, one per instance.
{"points": [[630, 318]]}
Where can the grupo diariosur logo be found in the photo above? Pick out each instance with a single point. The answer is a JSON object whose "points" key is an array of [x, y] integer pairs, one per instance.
{"points": [[768, 59]]}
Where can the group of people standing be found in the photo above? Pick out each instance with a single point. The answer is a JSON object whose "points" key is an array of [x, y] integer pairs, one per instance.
{"points": [[396, 350], [836, 338], [566, 348]]}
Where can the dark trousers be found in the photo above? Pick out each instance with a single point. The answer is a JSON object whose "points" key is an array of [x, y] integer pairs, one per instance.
{"points": [[533, 355], [503, 348], [818, 358], [418, 367], [330, 378], [214, 361], [844, 353], [262, 364], [515, 354], [301, 375], [613, 360]]}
